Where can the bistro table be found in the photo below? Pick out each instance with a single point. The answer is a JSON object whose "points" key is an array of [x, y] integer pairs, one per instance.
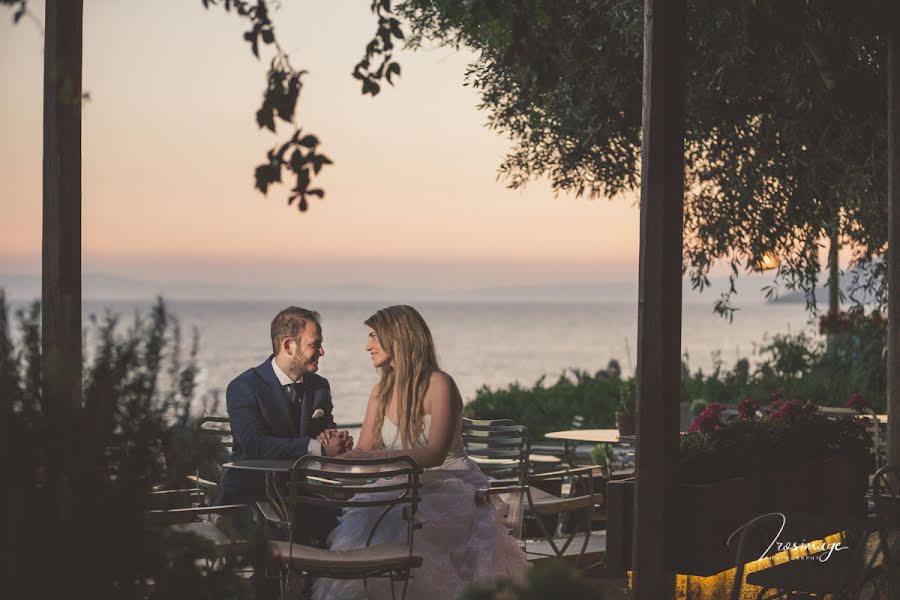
{"points": [[597, 436], [271, 466]]}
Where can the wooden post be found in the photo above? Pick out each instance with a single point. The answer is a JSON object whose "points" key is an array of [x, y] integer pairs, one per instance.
{"points": [[659, 309], [893, 199], [61, 252]]}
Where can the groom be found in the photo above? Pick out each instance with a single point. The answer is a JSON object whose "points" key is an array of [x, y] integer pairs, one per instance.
{"points": [[281, 409]]}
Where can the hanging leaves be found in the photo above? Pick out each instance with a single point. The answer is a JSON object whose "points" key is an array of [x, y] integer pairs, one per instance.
{"points": [[380, 48], [300, 156]]}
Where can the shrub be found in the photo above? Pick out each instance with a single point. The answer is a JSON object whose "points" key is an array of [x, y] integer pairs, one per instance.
{"points": [[543, 409], [78, 477]]}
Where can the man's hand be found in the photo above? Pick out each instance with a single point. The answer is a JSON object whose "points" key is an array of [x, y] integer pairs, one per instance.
{"points": [[328, 434], [334, 445]]}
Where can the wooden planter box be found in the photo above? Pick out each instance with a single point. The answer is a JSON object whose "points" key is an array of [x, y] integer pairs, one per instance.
{"points": [[707, 514]]}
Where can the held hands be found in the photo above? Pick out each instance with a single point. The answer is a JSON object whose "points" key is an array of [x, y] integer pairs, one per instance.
{"points": [[335, 442]]}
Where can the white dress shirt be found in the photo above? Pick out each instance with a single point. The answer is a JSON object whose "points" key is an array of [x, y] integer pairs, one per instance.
{"points": [[315, 446]]}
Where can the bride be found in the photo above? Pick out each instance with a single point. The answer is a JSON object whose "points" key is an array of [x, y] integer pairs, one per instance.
{"points": [[415, 410]]}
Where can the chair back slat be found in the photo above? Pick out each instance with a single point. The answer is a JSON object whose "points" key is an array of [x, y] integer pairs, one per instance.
{"points": [[324, 481], [326, 489], [497, 439]]}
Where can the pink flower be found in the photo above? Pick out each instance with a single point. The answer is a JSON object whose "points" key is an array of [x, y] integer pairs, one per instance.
{"points": [[857, 402], [747, 408], [709, 420], [787, 410]]}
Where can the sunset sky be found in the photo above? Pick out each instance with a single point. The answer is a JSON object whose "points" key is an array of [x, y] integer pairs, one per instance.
{"points": [[170, 145]]}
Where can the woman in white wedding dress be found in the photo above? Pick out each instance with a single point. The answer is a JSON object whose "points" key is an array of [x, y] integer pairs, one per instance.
{"points": [[415, 410]]}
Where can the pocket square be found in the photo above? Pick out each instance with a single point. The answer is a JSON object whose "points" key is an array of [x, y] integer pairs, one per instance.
{"points": [[318, 414]]}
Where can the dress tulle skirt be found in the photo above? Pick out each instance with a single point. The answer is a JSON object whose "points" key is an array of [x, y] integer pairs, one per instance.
{"points": [[459, 542]]}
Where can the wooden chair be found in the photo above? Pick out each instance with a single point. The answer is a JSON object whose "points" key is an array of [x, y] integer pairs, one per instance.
{"points": [[313, 483]]}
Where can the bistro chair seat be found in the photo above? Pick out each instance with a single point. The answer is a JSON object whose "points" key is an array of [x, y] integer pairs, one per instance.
{"points": [[206, 530], [358, 561]]}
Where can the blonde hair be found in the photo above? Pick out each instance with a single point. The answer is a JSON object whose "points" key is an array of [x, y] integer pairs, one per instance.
{"points": [[405, 337]]}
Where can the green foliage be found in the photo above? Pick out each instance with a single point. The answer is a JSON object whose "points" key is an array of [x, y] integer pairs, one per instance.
{"points": [[627, 395], [599, 455], [547, 579], [823, 371], [544, 409], [784, 125], [698, 405], [78, 476]]}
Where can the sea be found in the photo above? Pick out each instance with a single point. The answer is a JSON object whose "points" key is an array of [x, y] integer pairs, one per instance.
{"points": [[479, 344]]}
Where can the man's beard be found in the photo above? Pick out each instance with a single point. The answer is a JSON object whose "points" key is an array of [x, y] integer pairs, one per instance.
{"points": [[307, 365]]}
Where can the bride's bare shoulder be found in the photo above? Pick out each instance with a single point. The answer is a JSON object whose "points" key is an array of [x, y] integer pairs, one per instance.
{"points": [[441, 381]]}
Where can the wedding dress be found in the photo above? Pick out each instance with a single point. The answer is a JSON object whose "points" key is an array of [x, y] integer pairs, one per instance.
{"points": [[460, 542]]}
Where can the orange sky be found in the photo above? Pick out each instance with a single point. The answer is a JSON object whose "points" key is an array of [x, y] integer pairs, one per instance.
{"points": [[170, 144]]}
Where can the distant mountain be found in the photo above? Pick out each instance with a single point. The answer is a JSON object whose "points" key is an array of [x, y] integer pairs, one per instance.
{"points": [[101, 287], [822, 294]]}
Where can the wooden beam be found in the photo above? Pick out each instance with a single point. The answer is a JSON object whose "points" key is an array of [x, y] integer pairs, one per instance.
{"points": [[893, 199], [659, 302], [61, 251]]}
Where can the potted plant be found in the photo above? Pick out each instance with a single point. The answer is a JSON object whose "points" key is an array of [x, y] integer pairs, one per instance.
{"points": [[600, 457], [625, 412]]}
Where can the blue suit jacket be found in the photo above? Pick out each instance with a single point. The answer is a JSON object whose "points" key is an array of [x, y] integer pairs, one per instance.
{"points": [[261, 426]]}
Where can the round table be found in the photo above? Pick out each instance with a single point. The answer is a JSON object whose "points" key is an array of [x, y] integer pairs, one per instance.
{"points": [[598, 436]]}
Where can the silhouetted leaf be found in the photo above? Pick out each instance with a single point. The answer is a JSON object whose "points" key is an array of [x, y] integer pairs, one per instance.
{"points": [[296, 161], [303, 205], [309, 141], [393, 69], [316, 192], [395, 29], [265, 118]]}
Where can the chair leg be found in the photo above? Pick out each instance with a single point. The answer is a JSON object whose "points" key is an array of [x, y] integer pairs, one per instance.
{"points": [[405, 585]]}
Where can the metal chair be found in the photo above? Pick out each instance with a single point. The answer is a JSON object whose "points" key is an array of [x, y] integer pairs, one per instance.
{"points": [[500, 447], [348, 484], [794, 557], [217, 430], [883, 580], [224, 541], [579, 505], [504, 445]]}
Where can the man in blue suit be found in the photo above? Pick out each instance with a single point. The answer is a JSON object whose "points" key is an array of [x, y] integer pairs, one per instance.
{"points": [[281, 409]]}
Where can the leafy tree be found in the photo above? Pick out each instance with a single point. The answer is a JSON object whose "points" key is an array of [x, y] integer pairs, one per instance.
{"points": [[785, 118]]}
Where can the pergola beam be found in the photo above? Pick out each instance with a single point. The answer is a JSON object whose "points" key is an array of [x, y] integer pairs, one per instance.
{"points": [[893, 199], [659, 302], [61, 251]]}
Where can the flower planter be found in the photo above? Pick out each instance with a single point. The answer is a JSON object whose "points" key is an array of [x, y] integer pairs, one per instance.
{"points": [[705, 515], [625, 423]]}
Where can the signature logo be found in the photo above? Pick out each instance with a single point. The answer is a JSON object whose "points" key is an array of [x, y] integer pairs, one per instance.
{"points": [[816, 550]]}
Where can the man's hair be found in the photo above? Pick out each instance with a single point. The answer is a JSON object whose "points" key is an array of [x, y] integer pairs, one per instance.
{"points": [[290, 323]]}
